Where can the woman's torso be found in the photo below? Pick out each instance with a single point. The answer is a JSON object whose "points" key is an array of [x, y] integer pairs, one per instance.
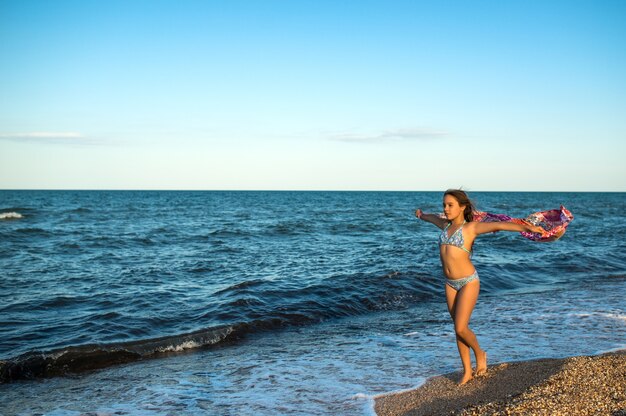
{"points": [[455, 245]]}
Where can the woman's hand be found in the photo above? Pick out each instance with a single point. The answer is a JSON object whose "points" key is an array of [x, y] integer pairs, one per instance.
{"points": [[536, 229], [431, 218]]}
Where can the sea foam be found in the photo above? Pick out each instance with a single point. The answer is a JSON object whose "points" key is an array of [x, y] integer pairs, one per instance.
{"points": [[10, 215]]}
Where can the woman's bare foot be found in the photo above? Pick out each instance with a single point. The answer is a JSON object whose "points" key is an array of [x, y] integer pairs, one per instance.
{"points": [[481, 363], [466, 377]]}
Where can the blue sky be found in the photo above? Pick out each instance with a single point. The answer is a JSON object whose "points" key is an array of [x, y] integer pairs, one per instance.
{"points": [[328, 95]]}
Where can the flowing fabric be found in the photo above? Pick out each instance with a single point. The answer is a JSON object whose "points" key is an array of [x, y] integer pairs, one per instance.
{"points": [[554, 221]]}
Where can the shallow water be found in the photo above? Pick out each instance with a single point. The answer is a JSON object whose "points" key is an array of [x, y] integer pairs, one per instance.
{"points": [[337, 366]]}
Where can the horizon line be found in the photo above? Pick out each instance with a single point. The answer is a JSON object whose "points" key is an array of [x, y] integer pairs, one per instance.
{"points": [[287, 190]]}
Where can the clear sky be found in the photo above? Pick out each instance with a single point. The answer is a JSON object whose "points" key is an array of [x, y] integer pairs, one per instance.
{"points": [[313, 95]]}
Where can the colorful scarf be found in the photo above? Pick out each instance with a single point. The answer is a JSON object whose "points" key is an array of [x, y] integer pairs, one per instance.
{"points": [[554, 221]]}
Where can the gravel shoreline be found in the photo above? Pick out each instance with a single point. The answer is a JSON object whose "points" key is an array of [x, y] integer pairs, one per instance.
{"points": [[588, 385]]}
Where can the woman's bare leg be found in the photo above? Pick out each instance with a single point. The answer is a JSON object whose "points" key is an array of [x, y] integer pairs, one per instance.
{"points": [[461, 304], [464, 349], [464, 306]]}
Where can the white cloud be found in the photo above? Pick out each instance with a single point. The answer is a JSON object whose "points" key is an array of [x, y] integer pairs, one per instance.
{"points": [[49, 137], [42, 136], [390, 136]]}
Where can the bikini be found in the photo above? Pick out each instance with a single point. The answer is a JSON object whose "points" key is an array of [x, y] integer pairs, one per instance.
{"points": [[456, 240]]}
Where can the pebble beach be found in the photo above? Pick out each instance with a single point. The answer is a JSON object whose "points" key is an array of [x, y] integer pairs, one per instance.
{"points": [[584, 385]]}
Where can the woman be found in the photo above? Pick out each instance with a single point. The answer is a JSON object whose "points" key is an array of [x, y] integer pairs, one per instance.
{"points": [[462, 283]]}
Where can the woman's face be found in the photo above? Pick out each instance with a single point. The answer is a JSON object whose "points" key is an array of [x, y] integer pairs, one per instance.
{"points": [[451, 207]]}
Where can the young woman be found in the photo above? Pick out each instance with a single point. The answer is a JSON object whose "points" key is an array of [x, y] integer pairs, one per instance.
{"points": [[462, 283]]}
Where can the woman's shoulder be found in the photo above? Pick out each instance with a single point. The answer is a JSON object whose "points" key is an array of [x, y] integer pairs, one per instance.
{"points": [[471, 226]]}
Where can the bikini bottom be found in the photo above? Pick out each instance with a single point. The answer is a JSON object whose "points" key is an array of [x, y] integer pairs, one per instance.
{"points": [[457, 284]]}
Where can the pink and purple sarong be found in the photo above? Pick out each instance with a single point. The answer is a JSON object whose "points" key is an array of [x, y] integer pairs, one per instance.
{"points": [[554, 221]]}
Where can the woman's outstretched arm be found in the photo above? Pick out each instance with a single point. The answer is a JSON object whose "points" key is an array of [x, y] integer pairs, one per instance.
{"points": [[431, 218], [490, 227]]}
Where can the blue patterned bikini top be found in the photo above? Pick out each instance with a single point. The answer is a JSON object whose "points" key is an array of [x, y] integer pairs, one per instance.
{"points": [[456, 239]]}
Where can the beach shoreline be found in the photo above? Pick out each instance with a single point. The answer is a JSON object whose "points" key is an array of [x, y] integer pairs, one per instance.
{"points": [[569, 386]]}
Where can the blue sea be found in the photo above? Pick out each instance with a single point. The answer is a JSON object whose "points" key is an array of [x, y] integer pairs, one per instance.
{"points": [[290, 303]]}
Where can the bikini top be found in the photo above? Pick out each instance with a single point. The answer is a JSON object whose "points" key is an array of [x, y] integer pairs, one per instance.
{"points": [[456, 239]]}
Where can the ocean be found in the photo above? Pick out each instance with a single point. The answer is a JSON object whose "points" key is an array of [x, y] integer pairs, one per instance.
{"points": [[291, 303]]}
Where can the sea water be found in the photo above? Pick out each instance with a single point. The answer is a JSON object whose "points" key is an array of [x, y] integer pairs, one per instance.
{"points": [[279, 302]]}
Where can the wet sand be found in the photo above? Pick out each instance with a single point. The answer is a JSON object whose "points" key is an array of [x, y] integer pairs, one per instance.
{"points": [[593, 385]]}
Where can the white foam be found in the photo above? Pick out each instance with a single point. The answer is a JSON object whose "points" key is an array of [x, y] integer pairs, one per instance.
{"points": [[10, 216], [180, 347], [616, 349], [616, 316], [54, 355], [395, 392], [370, 404]]}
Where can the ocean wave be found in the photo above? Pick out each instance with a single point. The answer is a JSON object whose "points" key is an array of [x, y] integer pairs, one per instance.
{"points": [[92, 282], [607, 315], [248, 309], [237, 287], [76, 359], [10, 216], [80, 210], [241, 309]]}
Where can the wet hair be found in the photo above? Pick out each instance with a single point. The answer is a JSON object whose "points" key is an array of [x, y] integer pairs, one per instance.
{"points": [[462, 199]]}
